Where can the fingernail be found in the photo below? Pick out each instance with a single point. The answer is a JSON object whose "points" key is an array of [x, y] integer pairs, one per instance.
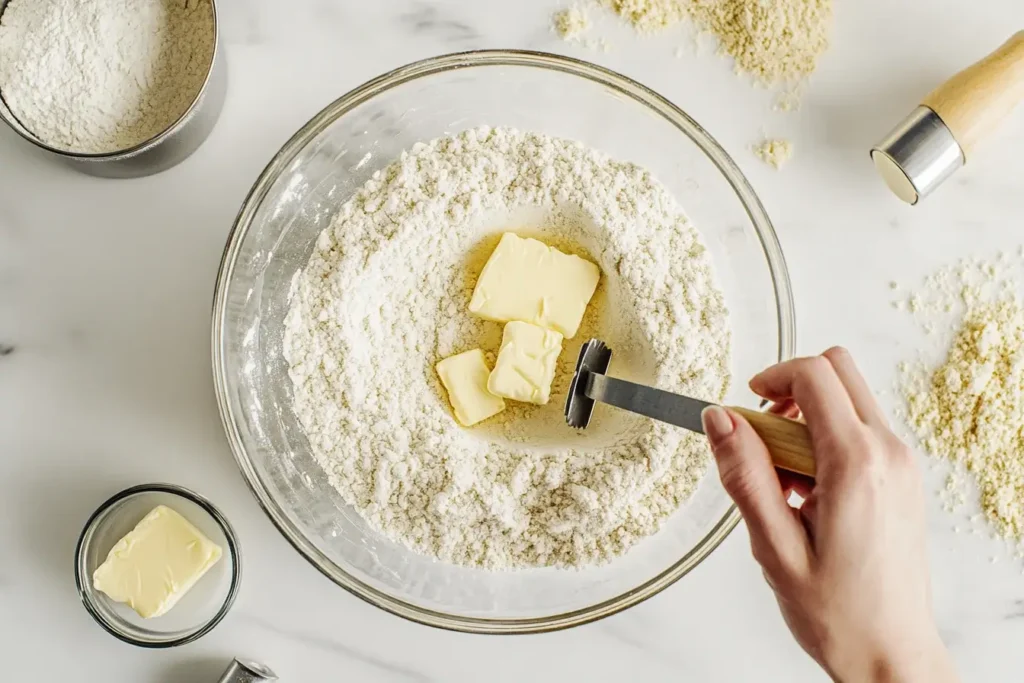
{"points": [[717, 423]]}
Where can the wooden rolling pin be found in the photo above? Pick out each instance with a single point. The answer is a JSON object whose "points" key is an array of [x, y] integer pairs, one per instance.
{"points": [[945, 130]]}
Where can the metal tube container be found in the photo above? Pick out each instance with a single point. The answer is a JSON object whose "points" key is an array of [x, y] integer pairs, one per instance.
{"points": [[243, 671], [170, 147]]}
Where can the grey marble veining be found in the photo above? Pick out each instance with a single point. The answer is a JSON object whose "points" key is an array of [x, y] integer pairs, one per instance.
{"points": [[390, 669], [429, 22], [105, 290]]}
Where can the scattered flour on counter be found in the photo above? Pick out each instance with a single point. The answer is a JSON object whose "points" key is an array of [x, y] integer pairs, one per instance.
{"points": [[969, 409], [773, 40], [775, 153], [648, 16], [790, 99], [571, 22], [385, 296], [95, 76]]}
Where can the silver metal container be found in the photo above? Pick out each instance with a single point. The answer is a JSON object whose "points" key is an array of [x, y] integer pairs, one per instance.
{"points": [[161, 152], [247, 671]]}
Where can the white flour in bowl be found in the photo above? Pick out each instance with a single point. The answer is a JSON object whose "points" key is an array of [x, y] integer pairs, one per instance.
{"points": [[95, 76], [385, 296]]}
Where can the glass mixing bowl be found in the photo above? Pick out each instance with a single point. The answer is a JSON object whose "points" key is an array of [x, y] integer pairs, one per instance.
{"points": [[297, 196]]}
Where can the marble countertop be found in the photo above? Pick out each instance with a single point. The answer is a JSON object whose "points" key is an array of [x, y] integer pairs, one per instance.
{"points": [[105, 291]]}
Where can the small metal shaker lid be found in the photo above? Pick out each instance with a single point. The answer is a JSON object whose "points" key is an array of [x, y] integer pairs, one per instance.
{"points": [[918, 155], [245, 671]]}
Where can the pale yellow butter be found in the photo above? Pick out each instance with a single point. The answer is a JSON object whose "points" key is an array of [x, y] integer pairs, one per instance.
{"points": [[526, 363], [465, 379], [156, 563], [527, 280]]}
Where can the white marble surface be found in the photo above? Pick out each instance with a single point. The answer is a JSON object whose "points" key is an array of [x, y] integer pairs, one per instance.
{"points": [[105, 290]]}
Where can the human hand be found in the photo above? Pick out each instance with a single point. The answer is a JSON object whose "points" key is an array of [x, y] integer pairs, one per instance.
{"points": [[849, 568]]}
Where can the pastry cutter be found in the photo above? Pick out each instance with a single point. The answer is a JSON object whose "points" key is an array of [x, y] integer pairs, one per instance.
{"points": [[942, 133], [787, 440]]}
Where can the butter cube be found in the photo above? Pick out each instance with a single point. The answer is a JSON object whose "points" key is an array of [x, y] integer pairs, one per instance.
{"points": [[156, 563], [527, 280], [465, 379], [526, 363]]}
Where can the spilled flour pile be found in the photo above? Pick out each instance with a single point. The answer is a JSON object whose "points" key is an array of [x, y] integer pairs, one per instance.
{"points": [[775, 153], [648, 16], [773, 40], [970, 409], [384, 297], [571, 23], [777, 42]]}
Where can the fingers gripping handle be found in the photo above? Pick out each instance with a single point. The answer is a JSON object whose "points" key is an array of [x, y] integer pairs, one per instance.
{"points": [[788, 441]]}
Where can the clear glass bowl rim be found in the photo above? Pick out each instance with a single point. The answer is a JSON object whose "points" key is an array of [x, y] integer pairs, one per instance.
{"points": [[234, 550], [478, 58]]}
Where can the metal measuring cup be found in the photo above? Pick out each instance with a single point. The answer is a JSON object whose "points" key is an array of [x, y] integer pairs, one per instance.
{"points": [[162, 151]]}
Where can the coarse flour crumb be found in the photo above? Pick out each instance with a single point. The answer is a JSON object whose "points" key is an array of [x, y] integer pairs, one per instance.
{"points": [[571, 22], [776, 153], [385, 296], [773, 40], [969, 408], [95, 76]]}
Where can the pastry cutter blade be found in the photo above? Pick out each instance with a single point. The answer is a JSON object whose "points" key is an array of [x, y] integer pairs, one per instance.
{"points": [[788, 441]]}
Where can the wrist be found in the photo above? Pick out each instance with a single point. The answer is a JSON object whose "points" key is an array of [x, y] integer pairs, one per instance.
{"points": [[902, 661]]}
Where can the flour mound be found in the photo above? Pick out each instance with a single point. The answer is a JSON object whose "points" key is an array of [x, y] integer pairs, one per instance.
{"points": [[385, 296], [969, 408], [773, 40]]}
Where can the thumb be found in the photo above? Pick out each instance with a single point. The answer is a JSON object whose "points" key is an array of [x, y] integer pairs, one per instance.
{"points": [[748, 476]]}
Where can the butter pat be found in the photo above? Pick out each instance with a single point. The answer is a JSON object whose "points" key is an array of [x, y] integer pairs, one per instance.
{"points": [[526, 363], [465, 379], [156, 563], [527, 280]]}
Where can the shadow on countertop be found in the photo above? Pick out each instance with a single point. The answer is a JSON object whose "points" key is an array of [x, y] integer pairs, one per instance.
{"points": [[197, 670]]}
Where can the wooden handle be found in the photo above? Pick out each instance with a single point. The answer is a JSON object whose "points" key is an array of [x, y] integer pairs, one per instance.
{"points": [[976, 100], [788, 441]]}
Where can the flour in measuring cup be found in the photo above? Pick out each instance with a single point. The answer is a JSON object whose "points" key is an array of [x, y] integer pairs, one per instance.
{"points": [[95, 76]]}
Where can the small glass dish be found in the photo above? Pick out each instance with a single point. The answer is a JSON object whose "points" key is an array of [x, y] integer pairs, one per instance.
{"points": [[199, 610]]}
